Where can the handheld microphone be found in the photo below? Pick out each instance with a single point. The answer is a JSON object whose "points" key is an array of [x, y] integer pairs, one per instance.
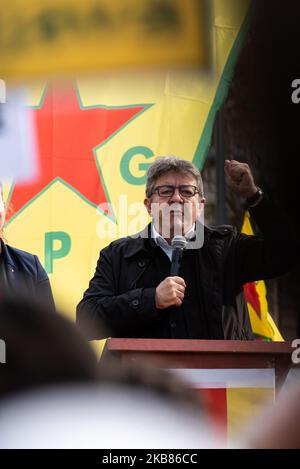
{"points": [[178, 244]]}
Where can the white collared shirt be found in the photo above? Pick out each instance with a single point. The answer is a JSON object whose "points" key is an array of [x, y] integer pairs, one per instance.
{"points": [[163, 244]]}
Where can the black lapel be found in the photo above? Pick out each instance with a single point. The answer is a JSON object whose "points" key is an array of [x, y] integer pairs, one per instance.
{"points": [[12, 279]]}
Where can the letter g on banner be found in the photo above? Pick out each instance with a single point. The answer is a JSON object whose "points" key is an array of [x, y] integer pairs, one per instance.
{"points": [[126, 167]]}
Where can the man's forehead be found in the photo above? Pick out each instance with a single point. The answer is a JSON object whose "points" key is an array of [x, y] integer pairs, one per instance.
{"points": [[172, 177]]}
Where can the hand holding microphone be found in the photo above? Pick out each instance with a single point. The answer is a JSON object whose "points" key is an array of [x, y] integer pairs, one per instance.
{"points": [[170, 292]]}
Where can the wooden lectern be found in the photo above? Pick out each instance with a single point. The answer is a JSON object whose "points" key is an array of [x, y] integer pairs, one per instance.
{"points": [[206, 355]]}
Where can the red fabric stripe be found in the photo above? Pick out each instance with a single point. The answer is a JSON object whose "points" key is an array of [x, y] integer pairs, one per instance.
{"points": [[215, 401]]}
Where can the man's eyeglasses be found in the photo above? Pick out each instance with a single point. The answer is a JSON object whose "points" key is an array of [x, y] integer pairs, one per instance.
{"points": [[185, 190]]}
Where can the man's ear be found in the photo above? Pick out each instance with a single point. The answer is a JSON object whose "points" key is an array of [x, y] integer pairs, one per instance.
{"points": [[147, 204]]}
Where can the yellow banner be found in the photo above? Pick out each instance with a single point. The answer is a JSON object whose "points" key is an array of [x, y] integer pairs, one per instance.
{"points": [[100, 134], [62, 36]]}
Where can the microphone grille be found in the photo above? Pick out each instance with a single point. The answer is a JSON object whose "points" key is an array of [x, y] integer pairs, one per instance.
{"points": [[179, 242]]}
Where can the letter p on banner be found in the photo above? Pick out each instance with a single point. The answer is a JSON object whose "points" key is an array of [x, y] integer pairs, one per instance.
{"points": [[51, 253]]}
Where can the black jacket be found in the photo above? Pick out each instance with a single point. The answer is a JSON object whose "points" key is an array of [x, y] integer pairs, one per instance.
{"points": [[120, 300], [23, 275]]}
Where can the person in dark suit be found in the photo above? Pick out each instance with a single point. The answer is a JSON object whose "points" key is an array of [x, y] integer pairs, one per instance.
{"points": [[21, 273], [132, 292]]}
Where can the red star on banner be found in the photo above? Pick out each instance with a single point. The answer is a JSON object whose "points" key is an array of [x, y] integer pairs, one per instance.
{"points": [[67, 133]]}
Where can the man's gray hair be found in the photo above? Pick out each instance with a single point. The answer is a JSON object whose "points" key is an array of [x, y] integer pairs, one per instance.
{"points": [[164, 164]]}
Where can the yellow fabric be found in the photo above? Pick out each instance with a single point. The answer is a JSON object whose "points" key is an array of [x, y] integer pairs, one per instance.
{"points": [[74, 36], [243, 406], [264, 325]]}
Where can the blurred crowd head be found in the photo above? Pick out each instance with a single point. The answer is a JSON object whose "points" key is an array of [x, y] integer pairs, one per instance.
{"points": [[55, 394]]}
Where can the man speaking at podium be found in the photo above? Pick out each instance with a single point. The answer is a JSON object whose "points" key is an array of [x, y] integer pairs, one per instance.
{"points": [[178, 278]]}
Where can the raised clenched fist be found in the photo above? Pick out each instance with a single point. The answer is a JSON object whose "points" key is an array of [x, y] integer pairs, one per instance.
{"points": [[240, 179]]}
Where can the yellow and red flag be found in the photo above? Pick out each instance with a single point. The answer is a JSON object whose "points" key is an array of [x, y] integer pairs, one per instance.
{"points": [[262, 323], [233, 398], [96, 138]]}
